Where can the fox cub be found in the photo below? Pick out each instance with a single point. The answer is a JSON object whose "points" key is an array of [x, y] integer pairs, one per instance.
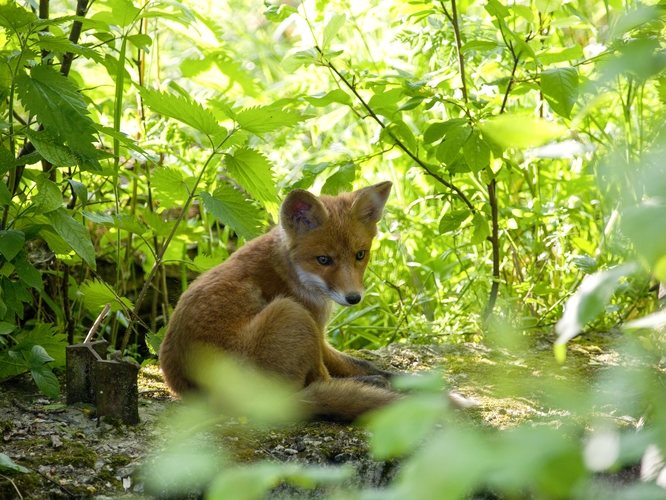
{"points": [[271, 300]]}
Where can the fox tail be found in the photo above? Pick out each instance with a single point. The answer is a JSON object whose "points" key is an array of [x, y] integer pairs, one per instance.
{"points": [[343, 399]]}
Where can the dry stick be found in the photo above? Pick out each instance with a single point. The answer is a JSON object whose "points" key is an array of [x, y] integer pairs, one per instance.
{"points": [[18, 492], [97, 322], [397, 141]]}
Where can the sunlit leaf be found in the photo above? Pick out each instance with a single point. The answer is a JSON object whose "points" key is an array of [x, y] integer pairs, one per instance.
{"points": [[234, 210], [560, 88], [74, 233], [518, 131]]}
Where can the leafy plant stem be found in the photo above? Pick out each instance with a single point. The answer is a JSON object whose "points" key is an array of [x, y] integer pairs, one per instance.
{"points": [[453, 18], [397, 140], [165, 245]]}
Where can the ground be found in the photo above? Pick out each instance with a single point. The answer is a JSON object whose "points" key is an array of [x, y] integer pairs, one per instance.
{"points": [[70, 454]]}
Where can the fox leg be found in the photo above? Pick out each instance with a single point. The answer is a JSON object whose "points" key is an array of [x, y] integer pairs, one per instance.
{"points": [[284, 339], [341, 365]]}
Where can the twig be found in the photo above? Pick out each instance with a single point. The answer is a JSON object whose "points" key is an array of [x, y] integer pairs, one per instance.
{"points": [[97, 322], [397, 141], [18, 492], [453, 18], [71, 495]]}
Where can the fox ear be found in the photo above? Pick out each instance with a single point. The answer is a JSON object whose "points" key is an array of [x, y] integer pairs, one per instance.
{"points": [[369, 204], [301, 212]]}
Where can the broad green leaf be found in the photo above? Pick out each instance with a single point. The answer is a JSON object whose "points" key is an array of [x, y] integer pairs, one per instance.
{"points": [[449, 148], [6, 160], [496, 9], [524, 12], [481, 228], [28, 273], [37, 356], [453, 220], [13, 17], [80, 190], [182, 109], [585, 263], [96, 295], [47, 337], [234, 210], [589, 300], [74, 233], [547, 6], [560, 54], [49, 197], [61, 109], [11, 243], [278, 13], [644, 225], [341, 181], [519, 131], [262, 119], [560, 88], [46, 381], [203, 263], [336, 22], [7, 464], [6, 328], [437, 130], [294, 61], [123, 13], [476, 152], [99, 217], [479, 46], [253, 172], [323, 99], [401, 427], [5, 195], [168, 186], [62, 45]]}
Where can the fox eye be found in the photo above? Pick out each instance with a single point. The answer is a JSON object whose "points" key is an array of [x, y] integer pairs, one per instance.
{"points": [[324, 260], [360, 255]]}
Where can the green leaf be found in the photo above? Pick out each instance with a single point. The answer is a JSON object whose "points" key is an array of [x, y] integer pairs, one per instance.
{"points": [[168, 186], [519, 131], [262, 119], [560, 88], [234, 210], [294, 61], [28, 273], [6, 463], [74, 233], [52, 149], [61, 109], [453, 220], [449, 148], [253, 172], [323, 99], [49, 197], [481, 228], [6, 160], [182, 109], [341, 181], [80, 191], [547, 6], [46, 381], [96, 295], [644, 225], [496, 9], [37, 356], [123, 13], [589, 300], [6, 328], [332, 27], [278, 13], [11, 243], [14, 17], [476, 152], [62, 45], [479, 46], [46, 336], [401, 427], [560, 54]]}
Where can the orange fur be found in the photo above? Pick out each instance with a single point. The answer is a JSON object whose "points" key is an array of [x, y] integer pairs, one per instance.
{"points": [[270, 301]]}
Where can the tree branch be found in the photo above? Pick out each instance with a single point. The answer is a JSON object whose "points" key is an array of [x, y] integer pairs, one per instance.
{"points": [[453, 18]]}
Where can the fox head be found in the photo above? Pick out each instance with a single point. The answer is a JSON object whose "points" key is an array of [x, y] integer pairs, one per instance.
{"points": [[328, 239]]}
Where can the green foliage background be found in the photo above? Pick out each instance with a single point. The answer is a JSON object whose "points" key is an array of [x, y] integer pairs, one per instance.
{"points": [[141, 142]]}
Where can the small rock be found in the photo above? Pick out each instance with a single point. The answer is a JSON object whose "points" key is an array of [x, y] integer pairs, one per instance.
{"points": [[290, 451], [55, 441]]}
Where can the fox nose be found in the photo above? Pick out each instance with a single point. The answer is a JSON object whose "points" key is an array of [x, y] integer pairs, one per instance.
{"points": [[353, 298]]}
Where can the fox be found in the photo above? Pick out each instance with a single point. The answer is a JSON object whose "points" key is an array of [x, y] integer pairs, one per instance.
{"points": [[270, 301]]}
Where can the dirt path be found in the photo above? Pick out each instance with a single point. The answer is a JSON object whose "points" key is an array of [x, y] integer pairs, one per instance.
{"points": [[71, 455]]}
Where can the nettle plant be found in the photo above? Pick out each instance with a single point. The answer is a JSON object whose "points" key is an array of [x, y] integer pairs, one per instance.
{"points": [[91, 214]]}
